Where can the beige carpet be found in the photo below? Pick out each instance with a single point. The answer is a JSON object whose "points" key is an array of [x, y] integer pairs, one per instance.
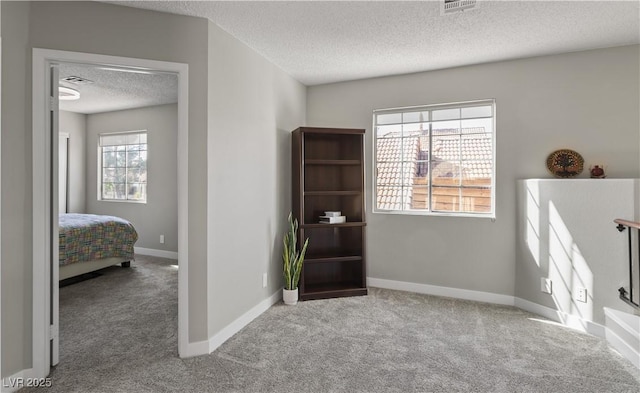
{"points": [[118, 334]]}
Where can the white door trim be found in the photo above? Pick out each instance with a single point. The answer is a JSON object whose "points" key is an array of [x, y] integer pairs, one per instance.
{"points": [[42, 193]]}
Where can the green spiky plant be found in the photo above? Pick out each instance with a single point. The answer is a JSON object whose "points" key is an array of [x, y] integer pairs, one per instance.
{"points": [[291, 258]]}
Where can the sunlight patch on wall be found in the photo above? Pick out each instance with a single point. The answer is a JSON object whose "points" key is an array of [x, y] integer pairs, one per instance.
{"points": [[568, 269], [533, 220]]}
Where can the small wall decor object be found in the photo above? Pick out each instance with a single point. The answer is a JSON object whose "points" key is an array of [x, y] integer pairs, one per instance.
{"points": [[565, 163], [597, 172]]}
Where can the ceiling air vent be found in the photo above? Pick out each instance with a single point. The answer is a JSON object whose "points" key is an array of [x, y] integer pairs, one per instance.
{"points": [[76, 80], [450, 6]]}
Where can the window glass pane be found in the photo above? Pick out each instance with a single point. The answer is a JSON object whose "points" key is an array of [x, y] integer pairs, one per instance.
{"points": [[415, 129], [393, 131], [137, 191], [108, 149], [408, 173], [121, 158], [446, 173], [446, 127], [419, 198], [133, 159], [445, 199], [109, 160], [120, 175], [446, 114], [415, 117], [476, 111], [389, 118], [143, 159], [476, 200], [389, 198], [108, 175], [480, 126], [476, 173], [389, 173], [108, 190]]}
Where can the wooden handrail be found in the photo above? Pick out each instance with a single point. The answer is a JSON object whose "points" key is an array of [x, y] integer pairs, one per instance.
{"points": [[626, 223]]}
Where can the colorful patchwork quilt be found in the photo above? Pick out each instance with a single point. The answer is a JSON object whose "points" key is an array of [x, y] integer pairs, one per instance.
{"points": [[85, 237]]}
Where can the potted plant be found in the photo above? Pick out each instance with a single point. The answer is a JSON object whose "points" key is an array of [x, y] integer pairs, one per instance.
{"points": [[292, 260]]}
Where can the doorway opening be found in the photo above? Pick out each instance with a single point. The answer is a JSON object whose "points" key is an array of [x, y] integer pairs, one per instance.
{"points": [[46, 203]]}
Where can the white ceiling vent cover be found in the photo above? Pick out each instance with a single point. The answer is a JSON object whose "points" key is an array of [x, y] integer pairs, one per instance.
{"points": [[450, 6], [76, 80]]}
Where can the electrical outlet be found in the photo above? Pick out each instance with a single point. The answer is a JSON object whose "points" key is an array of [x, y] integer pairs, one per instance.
{"points": [[264, 280], [161, 239], [545, 285], [581, 294]]}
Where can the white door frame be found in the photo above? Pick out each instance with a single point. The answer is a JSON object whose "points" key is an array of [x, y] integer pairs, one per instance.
{"points": [[42, 207]]}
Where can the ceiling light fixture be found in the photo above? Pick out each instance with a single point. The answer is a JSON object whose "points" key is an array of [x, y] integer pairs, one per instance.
{"points": [[68, 94]]}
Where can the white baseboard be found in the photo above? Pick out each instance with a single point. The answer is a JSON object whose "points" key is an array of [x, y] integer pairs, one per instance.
{"points": [[156, 253], [210, 345], [237, 325], [568, 320], [486, 297], [196, 349], [17, 381]]}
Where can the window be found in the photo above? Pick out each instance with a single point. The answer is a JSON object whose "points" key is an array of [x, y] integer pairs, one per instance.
{"points": [[435, 159], [122, 162]]}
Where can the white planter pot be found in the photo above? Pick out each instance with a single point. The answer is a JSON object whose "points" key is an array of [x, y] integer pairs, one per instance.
{"points": [[290, 297]]}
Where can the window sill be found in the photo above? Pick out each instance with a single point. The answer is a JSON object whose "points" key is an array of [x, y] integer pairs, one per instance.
{"points": [[490, 216], [123, 201]]}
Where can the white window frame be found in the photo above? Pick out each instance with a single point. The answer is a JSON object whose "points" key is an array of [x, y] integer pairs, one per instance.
{"points": [[430, 108], [100, 168]]}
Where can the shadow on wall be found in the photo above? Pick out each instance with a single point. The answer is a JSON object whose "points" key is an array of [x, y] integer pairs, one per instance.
{"points": [[561, 260], [570, 236]]}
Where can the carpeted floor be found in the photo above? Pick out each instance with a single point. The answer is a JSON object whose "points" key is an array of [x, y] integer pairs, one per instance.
{"points": [[119, 334]]}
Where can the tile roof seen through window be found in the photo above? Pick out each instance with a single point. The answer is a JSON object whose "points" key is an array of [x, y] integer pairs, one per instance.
{"points": [[460, 156]]}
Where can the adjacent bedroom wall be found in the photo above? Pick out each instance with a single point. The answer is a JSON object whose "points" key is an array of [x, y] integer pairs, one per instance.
{"points": [[75, 124], [587, 101], [159, 216]]}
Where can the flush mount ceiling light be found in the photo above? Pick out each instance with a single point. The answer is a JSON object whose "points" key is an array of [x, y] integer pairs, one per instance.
{"points": [[68, 94]]}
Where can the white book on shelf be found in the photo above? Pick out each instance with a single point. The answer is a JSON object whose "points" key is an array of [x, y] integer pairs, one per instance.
{"points": [[333, 220], [332, 214]]}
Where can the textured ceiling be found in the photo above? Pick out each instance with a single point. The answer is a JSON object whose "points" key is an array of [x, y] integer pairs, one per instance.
{"points": [[320, 42], [116, 90]]}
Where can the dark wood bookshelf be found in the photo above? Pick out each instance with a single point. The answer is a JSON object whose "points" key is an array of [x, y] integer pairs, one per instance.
{"points": [[328, 175]]}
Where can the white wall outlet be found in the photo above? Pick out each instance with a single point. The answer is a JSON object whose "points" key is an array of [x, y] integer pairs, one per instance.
{"points": [[545, 285], [161, 239], [581, 294], [264, 280]]}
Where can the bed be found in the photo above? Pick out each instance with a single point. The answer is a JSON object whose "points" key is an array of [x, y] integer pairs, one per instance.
{"points": [[89, 242]]}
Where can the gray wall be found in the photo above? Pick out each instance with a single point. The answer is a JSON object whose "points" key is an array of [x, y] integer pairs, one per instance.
{"points": [[566, 233], [75, 124], [253, 108], [587, 101], [16, 188], [159, 216], [139, 34]]}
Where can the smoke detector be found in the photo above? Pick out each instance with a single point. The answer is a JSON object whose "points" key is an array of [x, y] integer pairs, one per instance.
{"points": [[451, 6]]}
